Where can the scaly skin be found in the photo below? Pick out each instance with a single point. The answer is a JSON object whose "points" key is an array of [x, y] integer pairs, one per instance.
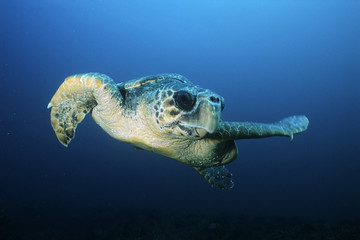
{"points": [[242, 130]]}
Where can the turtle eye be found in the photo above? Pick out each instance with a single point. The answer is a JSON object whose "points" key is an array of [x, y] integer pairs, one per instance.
{"points": [[184, 100]]}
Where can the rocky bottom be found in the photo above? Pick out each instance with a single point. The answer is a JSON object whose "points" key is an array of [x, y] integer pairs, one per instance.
{"points": [[108, 225]]}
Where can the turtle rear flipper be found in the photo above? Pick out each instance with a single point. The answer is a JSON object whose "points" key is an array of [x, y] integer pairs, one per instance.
{"points": [[77, 96], [218, 176]]}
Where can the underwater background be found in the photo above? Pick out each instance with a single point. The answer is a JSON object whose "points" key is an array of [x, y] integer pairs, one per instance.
{"points": [[268, 59]]}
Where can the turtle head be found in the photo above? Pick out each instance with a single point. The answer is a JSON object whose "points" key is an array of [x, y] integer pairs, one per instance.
{"points": [[187, 110]]}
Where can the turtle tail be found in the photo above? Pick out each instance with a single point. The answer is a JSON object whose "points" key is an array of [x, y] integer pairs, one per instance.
{"points": [[76, 97]]}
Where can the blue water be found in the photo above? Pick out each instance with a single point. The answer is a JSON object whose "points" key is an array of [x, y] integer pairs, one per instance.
{"points": [[268, 59]]}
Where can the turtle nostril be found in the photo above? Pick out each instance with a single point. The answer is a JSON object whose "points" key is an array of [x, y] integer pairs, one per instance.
{"points": [[214, 99]]}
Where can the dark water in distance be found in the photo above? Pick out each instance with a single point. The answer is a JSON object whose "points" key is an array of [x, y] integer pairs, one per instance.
{"points": [[268, 59]]}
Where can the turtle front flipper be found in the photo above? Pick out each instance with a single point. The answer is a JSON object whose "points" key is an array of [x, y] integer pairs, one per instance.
{"points": [[240, 130], [218, 176], [77, 96]]}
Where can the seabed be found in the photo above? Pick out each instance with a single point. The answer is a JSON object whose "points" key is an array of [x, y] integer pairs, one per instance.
{"points": [[110, 225]]}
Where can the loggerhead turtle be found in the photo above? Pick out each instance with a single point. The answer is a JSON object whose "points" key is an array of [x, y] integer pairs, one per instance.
{"points": [[165, 114]]}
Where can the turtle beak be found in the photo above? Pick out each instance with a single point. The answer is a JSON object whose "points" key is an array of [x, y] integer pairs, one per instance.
{"points": [[206, 116]]}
